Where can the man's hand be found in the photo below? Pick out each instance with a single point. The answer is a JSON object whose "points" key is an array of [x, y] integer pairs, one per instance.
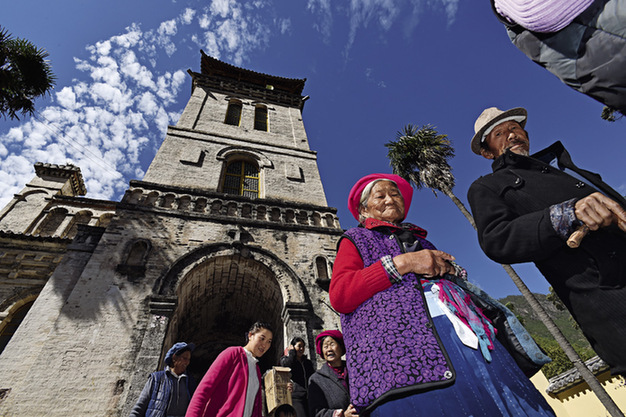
{"points": [[597, 210]]}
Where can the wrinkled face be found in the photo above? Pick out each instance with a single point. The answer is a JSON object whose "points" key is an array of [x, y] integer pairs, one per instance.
{"points": [[299, 348], [384, 203], [259, 342], [506, 135], [332, 351], [181, 362]]}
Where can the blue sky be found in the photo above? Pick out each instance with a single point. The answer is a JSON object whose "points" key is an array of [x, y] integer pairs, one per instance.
{"points": [[372, 66]]}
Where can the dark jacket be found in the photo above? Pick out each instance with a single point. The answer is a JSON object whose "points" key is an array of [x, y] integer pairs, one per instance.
{"points": [[326, 393], [156, 395], [587, 54], [301, 371], [511, 208]]}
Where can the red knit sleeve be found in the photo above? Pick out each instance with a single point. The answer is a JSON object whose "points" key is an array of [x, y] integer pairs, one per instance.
{"points": [[351, 284]]}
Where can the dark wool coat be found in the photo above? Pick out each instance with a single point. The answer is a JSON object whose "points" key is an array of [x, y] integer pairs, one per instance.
{"points": [[301, 371], [326, 393], [511, 208]]}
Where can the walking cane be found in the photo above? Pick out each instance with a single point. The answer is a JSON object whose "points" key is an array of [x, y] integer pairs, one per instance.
{"points": [[576, 237]]}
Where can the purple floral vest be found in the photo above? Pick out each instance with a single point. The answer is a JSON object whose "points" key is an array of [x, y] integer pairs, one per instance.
{"points": [[392, 348]]}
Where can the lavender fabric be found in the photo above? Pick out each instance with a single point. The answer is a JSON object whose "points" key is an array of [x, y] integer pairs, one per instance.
{"points": [[392, 346], [541, 15]]}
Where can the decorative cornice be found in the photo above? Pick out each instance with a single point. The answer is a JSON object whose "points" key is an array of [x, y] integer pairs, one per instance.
{"points": [[227, 208], [572, 377], [33, 238], [240, 82], [214, 67], [69, 171]]}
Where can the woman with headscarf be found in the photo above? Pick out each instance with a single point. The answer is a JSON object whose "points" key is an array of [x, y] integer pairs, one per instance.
{"points": [[168, 392], [328, 387], [301, 370], [417, 342]]}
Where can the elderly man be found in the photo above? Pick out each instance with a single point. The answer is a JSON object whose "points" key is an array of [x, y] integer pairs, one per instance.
{"points": [[530, 205]]}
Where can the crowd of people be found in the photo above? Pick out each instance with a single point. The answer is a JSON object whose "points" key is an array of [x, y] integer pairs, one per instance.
{"points": [[418, 337]]}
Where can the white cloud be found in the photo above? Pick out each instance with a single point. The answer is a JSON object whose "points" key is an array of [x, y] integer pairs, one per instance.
{"points": [[113, 116], [284, 26], [383, 14], [66, 98], [187, 17], [221, 7], [204, 21], [323, 10]]}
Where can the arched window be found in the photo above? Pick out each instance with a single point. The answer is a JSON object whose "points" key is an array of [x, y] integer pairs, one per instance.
{"points": [[322, 272], [12, 322], [83, 217], [233, 113], [241, 178], [52, 222], [138, 253], [134, 266], [260, 118], [104, 220], [322, 268]]}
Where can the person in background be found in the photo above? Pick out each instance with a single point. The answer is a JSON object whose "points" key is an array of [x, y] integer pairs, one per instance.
{"points": [[328, 387], [168, 392], [232, 385], [301, 370], [579, 41], [526, 210], [417, 343], [285, 410]]}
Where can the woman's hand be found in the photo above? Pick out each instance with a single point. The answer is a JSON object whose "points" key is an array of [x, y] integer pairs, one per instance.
{"points": [[351, 411], [427, 262]]}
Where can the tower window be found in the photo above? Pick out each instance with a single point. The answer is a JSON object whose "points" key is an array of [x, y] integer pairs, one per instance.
{"points": [[242, 178], [233, 113], [12, 322], [260, 118]]}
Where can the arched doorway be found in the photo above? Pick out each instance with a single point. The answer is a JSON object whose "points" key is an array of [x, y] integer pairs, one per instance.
{"points": [[218, 300]]}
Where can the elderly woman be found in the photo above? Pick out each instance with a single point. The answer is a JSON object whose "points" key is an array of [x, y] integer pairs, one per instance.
{"points": [[417, 343], [328, 387]]}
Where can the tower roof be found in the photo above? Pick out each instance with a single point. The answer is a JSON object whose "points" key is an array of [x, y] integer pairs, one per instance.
{"points": [[214, 67], [68, 171]]}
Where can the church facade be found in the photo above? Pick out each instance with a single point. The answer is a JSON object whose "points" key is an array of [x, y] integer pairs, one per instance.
{"points": [[229, 225]]}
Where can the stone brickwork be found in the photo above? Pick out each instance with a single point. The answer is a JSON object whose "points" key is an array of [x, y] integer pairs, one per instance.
{"points": [[50, 180], [178, 259]]}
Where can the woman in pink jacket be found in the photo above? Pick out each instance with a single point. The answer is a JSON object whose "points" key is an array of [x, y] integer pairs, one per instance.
{"points": [[232, 385]]}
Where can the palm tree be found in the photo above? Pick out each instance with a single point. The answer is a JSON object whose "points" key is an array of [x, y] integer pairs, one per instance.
{"points": [[420, 155], [24, 75]]}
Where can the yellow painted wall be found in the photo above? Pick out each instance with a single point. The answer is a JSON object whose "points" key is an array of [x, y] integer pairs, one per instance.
{"points": [[580, 401]]}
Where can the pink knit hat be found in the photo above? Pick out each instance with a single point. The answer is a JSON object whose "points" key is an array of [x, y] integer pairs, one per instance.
{"points": [[335, 334], [354, 199]]}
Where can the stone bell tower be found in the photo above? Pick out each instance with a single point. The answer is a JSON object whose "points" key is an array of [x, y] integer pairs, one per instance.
{"points": [[230, 225]]}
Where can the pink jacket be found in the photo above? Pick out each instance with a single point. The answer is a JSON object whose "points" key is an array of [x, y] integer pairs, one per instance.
{"points": [[222, 391]]}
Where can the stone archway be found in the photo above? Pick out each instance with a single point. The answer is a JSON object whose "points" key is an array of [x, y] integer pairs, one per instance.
{"points": [[218, 300]]}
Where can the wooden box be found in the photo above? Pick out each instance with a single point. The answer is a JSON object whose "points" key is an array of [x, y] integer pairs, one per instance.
{"points": [[276, 392]]}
